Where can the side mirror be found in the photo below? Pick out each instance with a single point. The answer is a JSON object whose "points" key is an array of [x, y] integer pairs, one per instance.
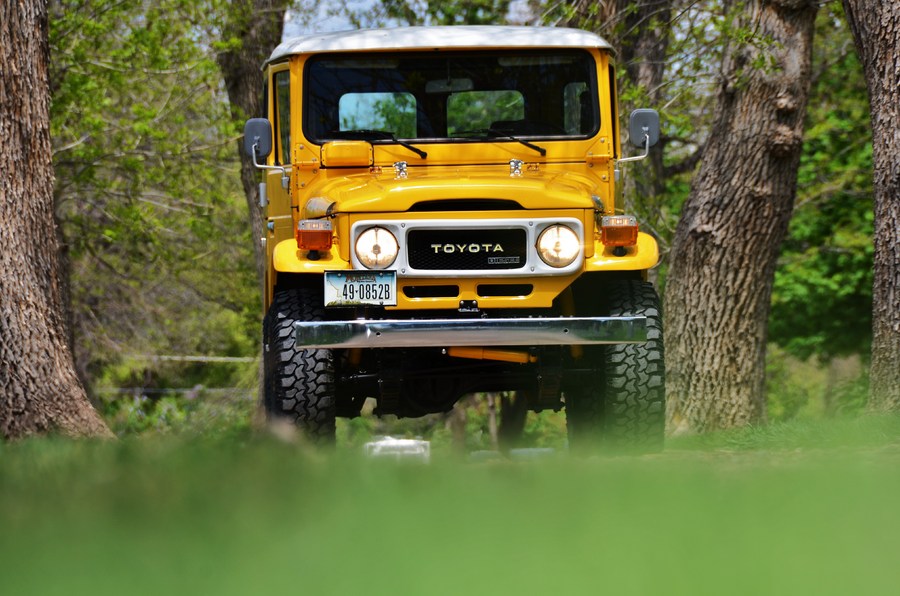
{"points": [[258, 136], [643, 123]]}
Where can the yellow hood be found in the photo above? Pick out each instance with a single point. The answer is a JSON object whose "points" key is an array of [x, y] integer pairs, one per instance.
{"points": [[374, 194]]}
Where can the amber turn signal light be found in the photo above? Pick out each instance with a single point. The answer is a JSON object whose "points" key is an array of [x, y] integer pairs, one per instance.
{"points": [[314, 234], [619, 230]]}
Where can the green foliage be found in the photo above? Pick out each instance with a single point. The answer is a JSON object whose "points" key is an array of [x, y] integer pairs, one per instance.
{"points": [[545, 429], [802, 436], [787, 393], [428, 12], [198, 412], [143, 414], [147, 186], [822, 299], [810, 389]]}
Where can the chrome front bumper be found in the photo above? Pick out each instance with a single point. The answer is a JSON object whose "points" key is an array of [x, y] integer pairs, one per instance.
{"points": [[470, 332]]}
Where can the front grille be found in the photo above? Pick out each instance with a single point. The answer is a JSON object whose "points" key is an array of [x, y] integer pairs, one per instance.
{"points": [[479, 249]]}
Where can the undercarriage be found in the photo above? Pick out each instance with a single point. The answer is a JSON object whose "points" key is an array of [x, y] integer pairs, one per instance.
{"points": [[415, 382]]}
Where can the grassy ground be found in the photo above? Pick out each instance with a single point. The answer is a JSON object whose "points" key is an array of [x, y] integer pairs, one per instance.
{"points": [[798, 508]]}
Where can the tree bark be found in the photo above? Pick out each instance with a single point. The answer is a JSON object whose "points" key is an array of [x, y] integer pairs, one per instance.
{"points": [[39, 390], [258, 26], [727, 241], [876, 31]]}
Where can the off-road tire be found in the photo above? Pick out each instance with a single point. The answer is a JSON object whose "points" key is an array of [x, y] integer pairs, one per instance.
{"points": [[623, 406], [299, 384]]}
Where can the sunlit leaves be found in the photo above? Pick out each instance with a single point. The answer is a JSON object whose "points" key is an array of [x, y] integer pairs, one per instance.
{"points": [[147, 180], [822, 299], [428, 12]]}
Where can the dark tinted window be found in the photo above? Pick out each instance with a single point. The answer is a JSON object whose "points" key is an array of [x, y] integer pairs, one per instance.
{"points": [[283, 116], [546, 93]]}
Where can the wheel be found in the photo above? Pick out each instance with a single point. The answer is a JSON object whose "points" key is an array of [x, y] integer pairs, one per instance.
{"points": [[621, 405], [299, 384]]}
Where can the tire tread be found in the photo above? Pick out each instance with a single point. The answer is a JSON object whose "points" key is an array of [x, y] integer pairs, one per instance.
{"points": [[299, 383]]}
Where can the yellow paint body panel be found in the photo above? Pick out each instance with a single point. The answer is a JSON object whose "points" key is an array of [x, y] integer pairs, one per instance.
{"points": [[644, 255]]}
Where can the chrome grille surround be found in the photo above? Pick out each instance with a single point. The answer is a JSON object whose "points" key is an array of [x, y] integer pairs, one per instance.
{"points": [[480, 229]]}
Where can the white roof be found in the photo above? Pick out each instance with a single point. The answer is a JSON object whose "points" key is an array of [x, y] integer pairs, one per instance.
{"points": [[431, 38]]}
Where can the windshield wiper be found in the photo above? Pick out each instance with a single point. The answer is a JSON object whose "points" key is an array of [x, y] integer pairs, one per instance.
{"points": [[493, 133], [410, 146], [365, 134]]}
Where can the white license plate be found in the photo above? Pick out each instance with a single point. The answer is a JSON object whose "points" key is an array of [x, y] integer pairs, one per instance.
{"points": [[354, 288]]}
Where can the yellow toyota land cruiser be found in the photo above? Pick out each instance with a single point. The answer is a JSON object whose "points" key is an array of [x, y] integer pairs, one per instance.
{"points": [[442, 219]]}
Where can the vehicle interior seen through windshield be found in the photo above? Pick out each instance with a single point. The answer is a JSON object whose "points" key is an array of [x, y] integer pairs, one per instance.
{"points": [[460, 96]]}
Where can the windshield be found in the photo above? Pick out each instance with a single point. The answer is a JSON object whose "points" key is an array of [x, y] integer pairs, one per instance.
{"points": [[544, 93]]}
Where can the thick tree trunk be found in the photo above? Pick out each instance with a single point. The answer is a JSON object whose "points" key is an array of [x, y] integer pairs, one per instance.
{"points": [[39, 390], [732, 225], [876, 31], [258, 25]]}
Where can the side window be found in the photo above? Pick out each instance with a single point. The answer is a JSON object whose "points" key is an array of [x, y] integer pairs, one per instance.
{"points": [[474, 110], [283, 116], [613, 106]]}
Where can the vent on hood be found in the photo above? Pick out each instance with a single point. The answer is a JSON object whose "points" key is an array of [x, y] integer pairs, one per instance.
{"points": [[466, 205]]}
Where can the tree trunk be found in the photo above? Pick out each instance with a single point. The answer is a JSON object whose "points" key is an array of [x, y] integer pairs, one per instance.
{"points": [[456, 423], [876, 30], [492, 419], [39, 390], [258, 26], [513, 414], [727, 241]]}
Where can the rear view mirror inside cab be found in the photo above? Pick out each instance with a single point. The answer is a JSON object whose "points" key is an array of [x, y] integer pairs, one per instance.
{"points": [[449, 86]]}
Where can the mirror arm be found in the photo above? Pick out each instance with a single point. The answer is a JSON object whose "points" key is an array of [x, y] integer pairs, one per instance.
{"points": [[285, 179], [639, 157]]}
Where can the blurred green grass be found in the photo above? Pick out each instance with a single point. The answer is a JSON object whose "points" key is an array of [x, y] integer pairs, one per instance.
{"points": [[797, 508]]}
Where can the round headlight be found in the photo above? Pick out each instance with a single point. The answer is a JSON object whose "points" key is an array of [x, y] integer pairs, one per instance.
{"points": [[558, 246], [376, 248]]}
